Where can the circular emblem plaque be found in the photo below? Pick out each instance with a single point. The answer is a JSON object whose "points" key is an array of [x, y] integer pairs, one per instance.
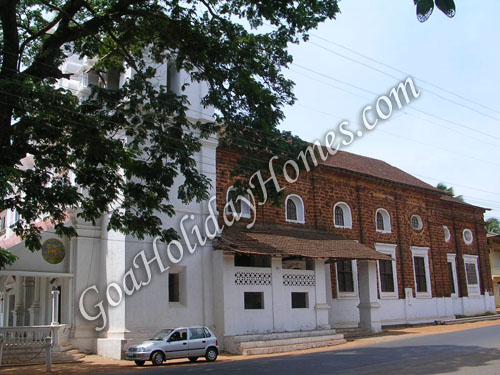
{"points": [[53, 251]]}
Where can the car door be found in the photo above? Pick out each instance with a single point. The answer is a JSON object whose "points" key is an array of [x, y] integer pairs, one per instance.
{"points": [[197, 342], [177, 344]]}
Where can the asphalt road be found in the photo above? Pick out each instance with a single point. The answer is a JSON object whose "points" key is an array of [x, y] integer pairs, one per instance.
{"points": [[470, 352]]}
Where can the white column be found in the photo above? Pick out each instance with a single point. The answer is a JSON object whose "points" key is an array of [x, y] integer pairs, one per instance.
{"points": [[55, 307], [321, 305], [368, 301], [18, 312], [29, 290], [35, 306], [277, 290]]}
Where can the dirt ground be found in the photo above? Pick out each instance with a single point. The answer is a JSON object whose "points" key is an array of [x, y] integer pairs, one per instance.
{"points": [[95, 363]]}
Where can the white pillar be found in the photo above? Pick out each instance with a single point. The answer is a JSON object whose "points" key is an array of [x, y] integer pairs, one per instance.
{"points": [[277, 290], [369, 306], [55, 307], [29, 290], [321, 305], [35, 306], [18, 312]]}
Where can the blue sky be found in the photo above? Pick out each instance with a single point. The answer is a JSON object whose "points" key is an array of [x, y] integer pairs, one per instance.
{"points": [[456, 145]]}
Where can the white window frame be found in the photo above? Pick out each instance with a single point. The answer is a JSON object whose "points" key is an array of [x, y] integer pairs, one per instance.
{"points": [[418, 251], [299, 204], [452, 258], [348, 295], [420, 222], [387, 220], [467, 242], [447, 234], [473, 290], [388, 249], [245, 208], [347, 215]]}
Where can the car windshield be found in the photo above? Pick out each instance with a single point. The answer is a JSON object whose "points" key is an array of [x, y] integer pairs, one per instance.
{"points": [[162, 335]]}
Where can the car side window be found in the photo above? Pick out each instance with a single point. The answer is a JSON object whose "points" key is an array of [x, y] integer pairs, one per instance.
{"points": [[184, 334], [207, 332], [196, 333], [180, 335]]}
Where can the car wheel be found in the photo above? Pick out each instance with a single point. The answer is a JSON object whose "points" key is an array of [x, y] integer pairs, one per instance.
{"points": [[193, 359], [211, 354], [140, 363], [157, 358]]}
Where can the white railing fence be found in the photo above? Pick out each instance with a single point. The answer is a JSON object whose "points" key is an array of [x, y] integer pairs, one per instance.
{"points": [[30, 338]]}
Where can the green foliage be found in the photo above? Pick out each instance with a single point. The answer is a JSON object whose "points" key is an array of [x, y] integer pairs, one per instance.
{"points": [[6, 258], [449, 191], [126, 146], [493, 225], [425, 8]]}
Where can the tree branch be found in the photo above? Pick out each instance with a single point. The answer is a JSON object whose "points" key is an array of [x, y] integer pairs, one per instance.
{"points": [[41, 67], [37, 35], [215, 15], [126, 55], [8, 71]]}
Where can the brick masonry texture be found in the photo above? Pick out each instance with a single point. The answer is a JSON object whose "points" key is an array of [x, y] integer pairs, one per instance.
{"points": [[330, 183]]}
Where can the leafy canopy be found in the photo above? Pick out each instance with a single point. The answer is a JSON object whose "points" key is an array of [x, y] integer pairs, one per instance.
{"points": [[125, 146], [425, 8], [493, 225], [449, 190]]}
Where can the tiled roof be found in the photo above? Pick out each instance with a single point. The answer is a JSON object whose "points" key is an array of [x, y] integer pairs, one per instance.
{"points": [[374, 167], [347, 161], [292, 241], [448, 198]]}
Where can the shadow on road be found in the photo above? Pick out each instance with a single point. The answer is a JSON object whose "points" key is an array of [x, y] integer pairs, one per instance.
{"points": [[407, 360]]}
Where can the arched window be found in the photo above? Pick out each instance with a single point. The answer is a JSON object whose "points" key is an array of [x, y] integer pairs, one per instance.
{"points": [[294, 209], [231, 197], [339, 217], [380, 221], [383, 221], [291, 210], [240, 204], [342, 217]]}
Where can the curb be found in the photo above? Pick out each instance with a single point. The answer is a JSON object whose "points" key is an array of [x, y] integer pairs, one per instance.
{"points": [[469, 320]]}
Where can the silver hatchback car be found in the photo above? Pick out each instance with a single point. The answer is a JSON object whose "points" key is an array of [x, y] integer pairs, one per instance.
{"points": [[184, 342]]}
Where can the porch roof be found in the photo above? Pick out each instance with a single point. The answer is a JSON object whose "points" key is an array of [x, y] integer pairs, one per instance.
{"points": [[292, 241]]}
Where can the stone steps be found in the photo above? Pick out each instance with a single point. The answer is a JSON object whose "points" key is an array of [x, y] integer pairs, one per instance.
{"points": [[283, 335], [291, 347], [31, 356], [282, 342], [354, 333], [469, 320]]}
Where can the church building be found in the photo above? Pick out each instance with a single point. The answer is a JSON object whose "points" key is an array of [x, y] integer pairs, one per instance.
{"points": [[356, 243]]}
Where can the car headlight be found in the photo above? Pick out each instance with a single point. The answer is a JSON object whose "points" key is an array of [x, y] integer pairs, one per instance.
{"points": [[141, 349]]}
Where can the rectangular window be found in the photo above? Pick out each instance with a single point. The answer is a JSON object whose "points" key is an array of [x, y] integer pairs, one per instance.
{"points": [[173, 287], [386, 276], [452, 277], [300, 300], [470, 269], [420, 276], [244, 260], [345, 276], [254, 300]]}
